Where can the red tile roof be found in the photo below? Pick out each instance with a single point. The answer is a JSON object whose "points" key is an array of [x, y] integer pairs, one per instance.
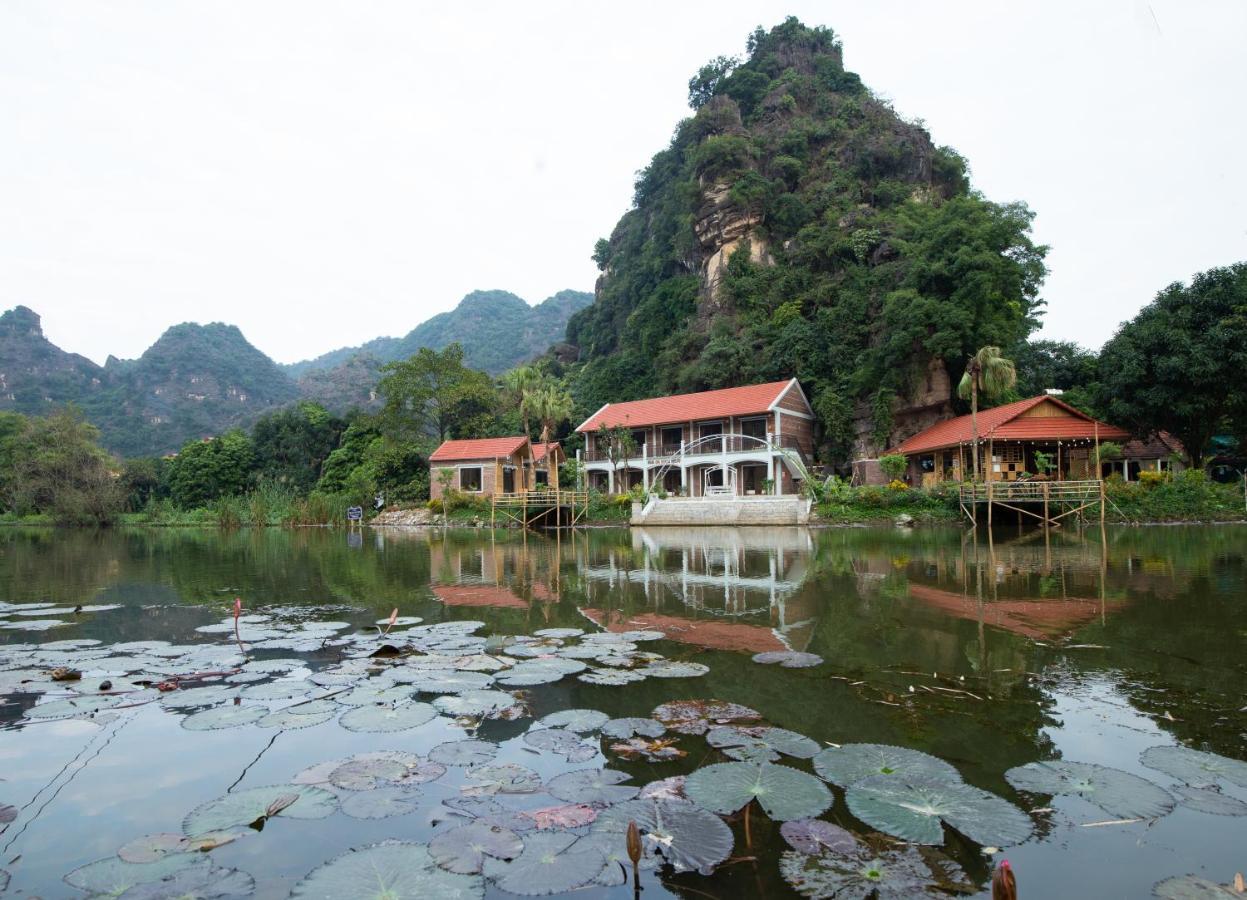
{"points": [[478, 448], [740, 401], [1007, 423], [539, 450]]}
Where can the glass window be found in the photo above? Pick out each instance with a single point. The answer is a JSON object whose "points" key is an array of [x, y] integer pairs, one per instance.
{"points": [[671, 437], [754, 428], [640, 438], [470, 479], [708, 428]]}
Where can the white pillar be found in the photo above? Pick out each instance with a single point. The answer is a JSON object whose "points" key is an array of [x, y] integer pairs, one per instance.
{"points": [[645, 465], [770, 464], [610, 480]]}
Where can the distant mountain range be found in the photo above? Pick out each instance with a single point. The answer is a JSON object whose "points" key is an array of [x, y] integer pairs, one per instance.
{"points": [[200, 380]]}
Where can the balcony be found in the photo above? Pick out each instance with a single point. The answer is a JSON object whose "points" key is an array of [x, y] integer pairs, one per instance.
{"points": [[726, 444]]}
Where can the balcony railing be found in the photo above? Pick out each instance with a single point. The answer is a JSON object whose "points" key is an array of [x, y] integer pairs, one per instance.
{"points": [[726, 443]]}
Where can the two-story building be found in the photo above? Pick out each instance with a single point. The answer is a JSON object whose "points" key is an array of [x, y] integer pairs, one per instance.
{"points": [[752, 440]]}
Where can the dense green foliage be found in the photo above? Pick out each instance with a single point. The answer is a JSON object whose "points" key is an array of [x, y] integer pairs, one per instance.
{"points": [[1181, 364], [433, 392], [866, 251]]}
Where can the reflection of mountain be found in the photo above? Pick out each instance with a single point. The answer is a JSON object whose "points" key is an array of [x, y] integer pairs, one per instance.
{"points": [[1039, 619], [725, 588]]}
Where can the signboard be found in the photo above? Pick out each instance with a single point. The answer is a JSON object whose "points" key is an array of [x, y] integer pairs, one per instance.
{"points": [[355, 514]]}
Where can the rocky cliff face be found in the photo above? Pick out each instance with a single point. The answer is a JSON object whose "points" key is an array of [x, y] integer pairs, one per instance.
{"points": [[36, 375]]}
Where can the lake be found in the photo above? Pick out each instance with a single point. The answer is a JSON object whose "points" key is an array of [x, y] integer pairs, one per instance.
{"points": [[260, 739]]}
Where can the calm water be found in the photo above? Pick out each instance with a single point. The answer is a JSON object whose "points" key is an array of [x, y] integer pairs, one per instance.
{"points": [[986, 654]]}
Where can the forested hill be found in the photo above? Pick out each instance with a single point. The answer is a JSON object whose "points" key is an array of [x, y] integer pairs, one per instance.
{"points": [[497, 329], [200, 380], [796, 225]]}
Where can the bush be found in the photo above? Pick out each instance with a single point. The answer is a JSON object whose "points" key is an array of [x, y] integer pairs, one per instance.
{"points": [[893, 466], [897, 485], [1151, 478]]}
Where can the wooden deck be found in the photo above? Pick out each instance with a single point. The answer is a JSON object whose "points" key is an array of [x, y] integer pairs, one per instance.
{"points": [[531, 508], [1047, 501]]}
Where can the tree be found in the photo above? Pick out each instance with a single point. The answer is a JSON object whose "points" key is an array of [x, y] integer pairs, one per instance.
{"points": [[292, 444], [141, 481], [1059, 365], [58, 467], [515, 385], [204, 471], [445, 480], [1180, 365], [618, 445], [433, 391], [704, 85], [552, 406], [990, 374]]}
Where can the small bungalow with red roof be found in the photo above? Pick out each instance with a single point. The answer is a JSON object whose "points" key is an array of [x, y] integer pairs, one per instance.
{"points": [[482, 466], [736, 441], [543, 468], [1010, 437]]}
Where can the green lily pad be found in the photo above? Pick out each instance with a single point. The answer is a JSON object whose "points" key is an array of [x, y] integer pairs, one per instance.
{"points": [[503, 778], [491, 812], [476, 703], [760, 743], [859, 874], [463, 753], [224, 717], [465, 848], [849, 764], [578, 720], [672, 668], [789, 659], [610, 677], [383, 718], [296, 717], [1192, 887], [1210, 800], [551, 863], [450, 681], [381, 803], [1116, 792], [566, 744], [677, 832], [393, 870], [195, 883], [784, 793], [597, 786], [814, 836], [634, 727], [1195, 767], [113, 876], [912, 808], [245, 807], [540, 671]]}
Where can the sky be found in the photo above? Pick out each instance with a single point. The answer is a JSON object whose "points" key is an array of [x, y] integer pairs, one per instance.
{"points": [[321, 173]]}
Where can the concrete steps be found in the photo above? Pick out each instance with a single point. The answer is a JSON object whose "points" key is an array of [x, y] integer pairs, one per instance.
{"points": [[723, 511]]}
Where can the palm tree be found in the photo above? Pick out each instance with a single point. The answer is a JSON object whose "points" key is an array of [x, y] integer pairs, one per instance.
{"points": [[518, 383], [550, 405], [988, 373]]}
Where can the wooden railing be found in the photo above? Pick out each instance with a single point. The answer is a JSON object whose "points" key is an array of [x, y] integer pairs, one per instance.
{"points": [[542, 498], [1031, 492]]}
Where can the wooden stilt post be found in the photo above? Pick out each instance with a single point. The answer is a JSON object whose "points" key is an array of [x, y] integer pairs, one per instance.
{"points": [[988, 475], [1046, 519]]}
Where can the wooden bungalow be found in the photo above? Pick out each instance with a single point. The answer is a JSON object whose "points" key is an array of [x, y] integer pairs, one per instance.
{"points": [[483, 466], [542, 468], [1014, 442]]}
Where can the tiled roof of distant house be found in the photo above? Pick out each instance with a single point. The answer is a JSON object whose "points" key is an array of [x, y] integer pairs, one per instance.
{"points": [[739, 401], [539, 450], [478, 448], [1008, 423]]}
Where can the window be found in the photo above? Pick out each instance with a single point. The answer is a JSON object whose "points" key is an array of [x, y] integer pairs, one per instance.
{"points": [[470, 479], [508, 480], [708, 428], [754, 428], [671, 437], [640, 438], [543, 477]]}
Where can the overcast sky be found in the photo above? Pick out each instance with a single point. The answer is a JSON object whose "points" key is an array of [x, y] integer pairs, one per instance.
{"points": [[320, 173]]}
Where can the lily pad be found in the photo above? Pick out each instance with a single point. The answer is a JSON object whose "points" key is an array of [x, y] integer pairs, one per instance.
{"points": [[849, 764], [381, 803], [680, 833], [789, 659], [569, 815], [371, 694], [559, 632], [610, 677], [366, 771], [465, 848], [151, 847], [1116, 792], [817, 836], [672, 668], [784, 793], [503, 778], [278, 690], [393, 870], [649, 749], [699, 716], [857, 874], [112, 875], [195, 883], [1210, 800], [245, 807], [634, 727], [579, 720], [551, 863], [464, 753], [224, 717], [384, 718], [297, 717], [566, 744], [540, 671], [476, 703], [491, 812], [665, 789], [1195, 767], [449, 682], [760, 743], [1192, 887], [599, 786], [912, 808]]}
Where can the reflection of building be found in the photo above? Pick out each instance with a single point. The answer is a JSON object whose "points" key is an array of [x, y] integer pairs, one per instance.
{"points": [[473, 573], [746, 440], [726, 588], [1039, 619]]}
